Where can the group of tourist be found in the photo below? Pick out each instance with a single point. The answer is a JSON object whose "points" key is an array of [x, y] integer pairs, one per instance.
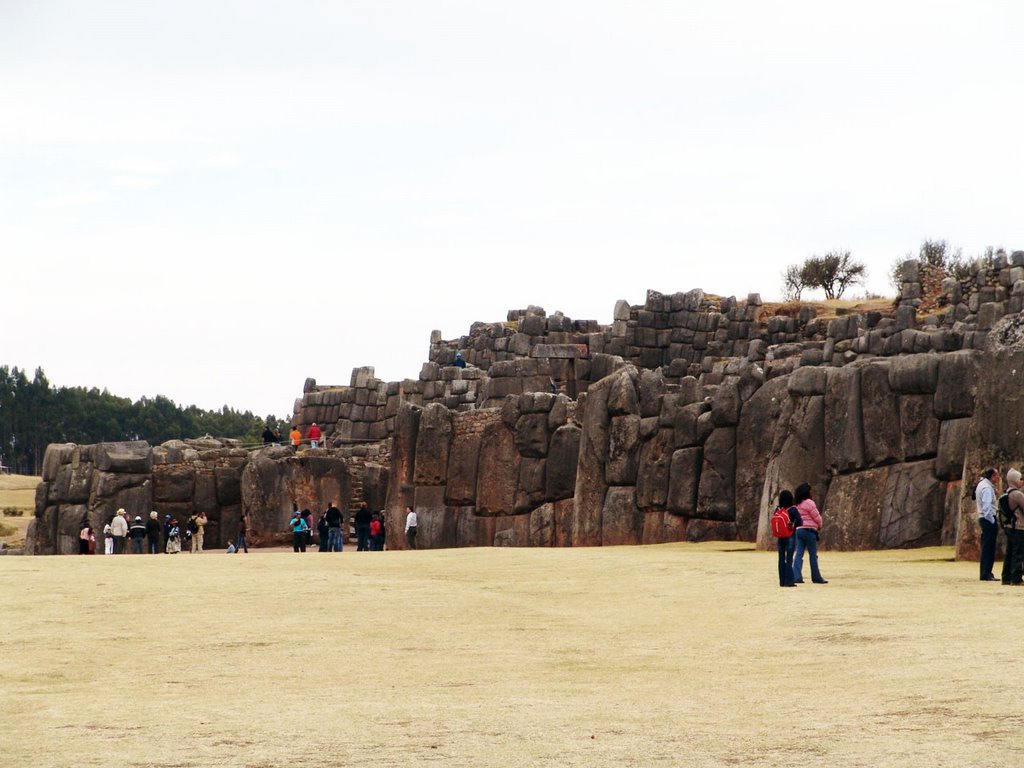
{"points": [[123, 535], [796, 525], [1004, 511], [370, 529], [273, 436]]}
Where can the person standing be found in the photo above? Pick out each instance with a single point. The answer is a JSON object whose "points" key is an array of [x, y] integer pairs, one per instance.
{"points": [[335, 539], [173, 545], [152, 534], [137, 531], [268, 436], [985, 496], [200, 521], [119, 532], [807, 535], [169, 523], [410, 527], [308, 517], [376, 540], [323, 531], [108, 540], [243, 531], [296, 437], [363, 519], [314, 436], [299, 531], [1013, 560], [383, 531], [83, 539], [785, 539]]}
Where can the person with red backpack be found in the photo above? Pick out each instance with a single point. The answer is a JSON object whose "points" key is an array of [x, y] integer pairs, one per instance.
{"points": [[784, 521]]}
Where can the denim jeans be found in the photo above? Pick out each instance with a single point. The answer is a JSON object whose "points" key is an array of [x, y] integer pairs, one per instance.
{"points": [[335, 541], [806, 539], [786, 549]]}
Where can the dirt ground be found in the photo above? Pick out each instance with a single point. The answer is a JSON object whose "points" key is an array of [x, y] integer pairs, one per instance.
{"points": [[673, 655]]}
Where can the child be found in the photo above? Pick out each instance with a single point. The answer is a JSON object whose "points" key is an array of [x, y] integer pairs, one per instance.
{"points": [[231, 547]]}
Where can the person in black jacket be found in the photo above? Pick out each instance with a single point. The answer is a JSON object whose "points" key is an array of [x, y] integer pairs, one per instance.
{"points": [[137, 532], [152, 534], [787, 544], [335, 539]]}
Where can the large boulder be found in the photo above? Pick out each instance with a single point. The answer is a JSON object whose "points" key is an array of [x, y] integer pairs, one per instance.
{"points": [[497, 472], [436, 523], [623, 450], [462, 468], [591, 486], [716, 498], [433, 441], [852, 510], [621, 519], [684, 479], [918, 427], [881, 416], [913, 507], [563, 459], [135, 457], [531, 434], [654, 468], [844, 437], [957, 384], [754, 439]]}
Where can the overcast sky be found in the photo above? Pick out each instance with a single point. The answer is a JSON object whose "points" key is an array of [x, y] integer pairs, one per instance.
{"points": [[214, 200]]}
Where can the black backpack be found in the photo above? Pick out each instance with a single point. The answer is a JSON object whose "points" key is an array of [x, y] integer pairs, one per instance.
{"points": [[1007, 517]]}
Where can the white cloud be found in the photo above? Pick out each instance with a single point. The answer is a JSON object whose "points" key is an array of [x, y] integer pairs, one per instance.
{"points": [[72, 198]]}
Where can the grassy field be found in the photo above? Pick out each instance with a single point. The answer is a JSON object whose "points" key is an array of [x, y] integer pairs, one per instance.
{"points": [[16, 492], [674, 655]]}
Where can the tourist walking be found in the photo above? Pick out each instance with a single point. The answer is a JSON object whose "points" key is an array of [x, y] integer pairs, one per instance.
{"points": [[153, 530], [785, 521], [363, 519], [335, 539], [314, 436], [410, 527], [243, 534], [299, 531], [807, 535], [985, 497], [1012, 517], [268, 436], [308, 517], [296, 437]]}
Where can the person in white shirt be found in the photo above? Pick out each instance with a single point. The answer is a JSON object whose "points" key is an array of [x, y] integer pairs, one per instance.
{"points": [[985, 494], [410, 527]]}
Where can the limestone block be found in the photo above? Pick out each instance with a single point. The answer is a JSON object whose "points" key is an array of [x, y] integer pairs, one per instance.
{"points": [[881, 416], [805, 381], [755, 435], [436, 524], [689, 430], [953, 437], [655, 463], [498, 471], [531, 434], [462, 469], [716, 492], [652, 388], [852, 510], [918, 426], [844, 439], [622, 395], [913, 507], [563, 459], [588, 499], [957, 383], [433, 442], [914, 374], [530, 491], [622, 520], [205, 497], [229, 485], [133, 457], [55, 456], [623, 450], [542, 526], [725, 404]]}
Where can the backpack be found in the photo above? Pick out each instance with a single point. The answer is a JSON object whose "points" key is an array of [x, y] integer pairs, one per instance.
{"points": [[192, 527], [1007, 518], [782, 528]]}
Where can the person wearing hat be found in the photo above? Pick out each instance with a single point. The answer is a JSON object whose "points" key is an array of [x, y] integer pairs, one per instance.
{"points": [[119, 531], [299, 529], [1013, 560], [169, 524], [137, 531], [152, 534], [314, 435], [459, 362]]}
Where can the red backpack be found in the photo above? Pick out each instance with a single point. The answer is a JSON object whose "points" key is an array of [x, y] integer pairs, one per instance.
{"points": [[782, 528]]}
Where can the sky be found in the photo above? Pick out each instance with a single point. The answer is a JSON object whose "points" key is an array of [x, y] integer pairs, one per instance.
{"points": [[215, 200]]}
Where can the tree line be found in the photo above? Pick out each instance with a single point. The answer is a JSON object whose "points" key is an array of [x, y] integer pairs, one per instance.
{"points": [[34, 414]]}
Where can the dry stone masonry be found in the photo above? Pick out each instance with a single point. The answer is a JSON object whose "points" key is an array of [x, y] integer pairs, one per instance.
{"points": [[680, 420]]}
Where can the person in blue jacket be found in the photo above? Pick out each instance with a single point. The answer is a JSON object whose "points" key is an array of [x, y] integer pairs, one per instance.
{"points": [[299, 530]]}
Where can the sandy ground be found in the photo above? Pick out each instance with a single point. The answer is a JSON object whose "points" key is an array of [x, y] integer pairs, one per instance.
{"points": [[674, 655]]}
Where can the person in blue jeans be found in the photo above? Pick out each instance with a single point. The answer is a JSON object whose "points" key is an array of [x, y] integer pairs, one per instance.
{"points": [[787, 544], [807, 536]]}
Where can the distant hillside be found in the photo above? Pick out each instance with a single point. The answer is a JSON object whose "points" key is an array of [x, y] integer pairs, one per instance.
{"points": [[34, 414]]}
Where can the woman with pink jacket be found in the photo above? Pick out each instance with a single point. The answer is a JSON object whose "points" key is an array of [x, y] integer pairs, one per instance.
{"points": [[807, 536]]}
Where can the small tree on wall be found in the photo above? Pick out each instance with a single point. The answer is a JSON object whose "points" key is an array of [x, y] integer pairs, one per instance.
{"points": [[833, 273]]}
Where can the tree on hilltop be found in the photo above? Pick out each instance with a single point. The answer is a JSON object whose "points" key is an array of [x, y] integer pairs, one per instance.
{"points": [[833, 273]]}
